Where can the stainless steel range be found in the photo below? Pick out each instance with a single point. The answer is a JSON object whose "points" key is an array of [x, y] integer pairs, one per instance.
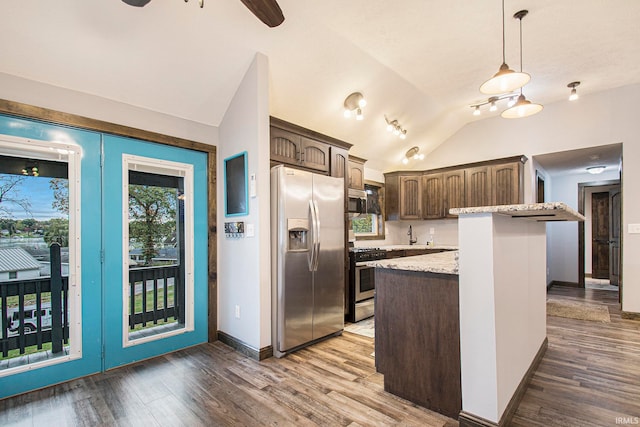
{"points": [[362, 282]]}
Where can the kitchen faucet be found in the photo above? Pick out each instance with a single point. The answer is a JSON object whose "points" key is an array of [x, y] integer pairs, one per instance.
{"points": [[411, 239]]}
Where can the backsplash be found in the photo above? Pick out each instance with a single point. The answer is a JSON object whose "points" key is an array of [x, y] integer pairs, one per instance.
{"points": [[445, 233]]}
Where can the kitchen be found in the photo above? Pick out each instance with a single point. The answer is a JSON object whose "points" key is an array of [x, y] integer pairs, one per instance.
{"points": [[244, 128]]}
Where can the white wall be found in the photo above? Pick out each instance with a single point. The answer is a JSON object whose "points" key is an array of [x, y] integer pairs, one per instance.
{"points": [[244, 268], [563, 236], [56, 98], [596, 119]]}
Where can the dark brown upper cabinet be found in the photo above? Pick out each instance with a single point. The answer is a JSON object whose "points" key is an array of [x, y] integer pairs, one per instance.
{"points": [[302, 148], [356, 172]]}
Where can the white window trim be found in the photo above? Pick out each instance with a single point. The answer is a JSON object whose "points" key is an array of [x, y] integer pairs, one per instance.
{"points": [[162, 167], [71, 153]]}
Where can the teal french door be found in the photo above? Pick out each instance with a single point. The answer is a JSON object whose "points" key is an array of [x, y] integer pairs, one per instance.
{"points": [[128, 300], [135, 287]]}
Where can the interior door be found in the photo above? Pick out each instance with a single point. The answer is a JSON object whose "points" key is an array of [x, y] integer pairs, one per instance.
{"points": [[600, 235], [155, 270], [614, 236]]}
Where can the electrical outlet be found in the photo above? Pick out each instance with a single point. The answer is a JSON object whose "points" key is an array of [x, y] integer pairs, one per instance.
{"points": [[432, 230], [237, 311]]}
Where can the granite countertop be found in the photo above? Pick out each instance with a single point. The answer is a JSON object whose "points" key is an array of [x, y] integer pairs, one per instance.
{"points": [[540, 212], [417, 246], [442, 262]]}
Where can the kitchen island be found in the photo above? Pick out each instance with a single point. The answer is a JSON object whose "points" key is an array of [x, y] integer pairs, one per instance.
{"points": [[472, 330], [418, 329]]}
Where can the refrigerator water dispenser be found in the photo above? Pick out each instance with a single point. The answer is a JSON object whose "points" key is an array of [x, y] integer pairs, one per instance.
{"points": [[298, 230]]}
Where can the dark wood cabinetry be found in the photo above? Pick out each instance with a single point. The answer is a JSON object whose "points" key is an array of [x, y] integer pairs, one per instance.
{"points": [[478, 186], [356, 173], [453, 190], [411, 197], [339, 162], [418, 338], [303, 148], [430, 194]]}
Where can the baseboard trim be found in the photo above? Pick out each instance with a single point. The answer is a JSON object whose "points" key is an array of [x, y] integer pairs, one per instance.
{"points": [[244, 348], [561, 283], [630, 315], [467, 419]]}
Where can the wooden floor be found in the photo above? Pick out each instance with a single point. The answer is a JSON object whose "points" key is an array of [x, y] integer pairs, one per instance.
{"points": [[589, 376]]}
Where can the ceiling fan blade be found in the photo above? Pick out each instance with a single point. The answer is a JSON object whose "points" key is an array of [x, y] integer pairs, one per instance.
{"points": [[267, 11], [137, 3]]}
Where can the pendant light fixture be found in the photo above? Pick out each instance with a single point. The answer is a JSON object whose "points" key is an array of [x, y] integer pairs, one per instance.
{"points": [[505, 80], [522, 107]]}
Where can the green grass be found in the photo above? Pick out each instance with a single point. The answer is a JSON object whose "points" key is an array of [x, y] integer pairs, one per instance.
{"points": [[138, 307]]}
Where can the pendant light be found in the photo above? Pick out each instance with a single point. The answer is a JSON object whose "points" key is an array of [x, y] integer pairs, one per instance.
{"points": [[522, 107], [505, 80]]}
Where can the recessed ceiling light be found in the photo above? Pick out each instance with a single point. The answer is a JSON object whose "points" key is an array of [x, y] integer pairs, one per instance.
{"points": [[594, 170]]}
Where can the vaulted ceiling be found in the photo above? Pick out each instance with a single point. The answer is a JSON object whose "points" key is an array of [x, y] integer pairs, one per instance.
{"points": [[418, 61]]}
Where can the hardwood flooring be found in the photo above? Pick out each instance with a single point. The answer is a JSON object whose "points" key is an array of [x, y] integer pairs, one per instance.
{"points": [[589, 376]]}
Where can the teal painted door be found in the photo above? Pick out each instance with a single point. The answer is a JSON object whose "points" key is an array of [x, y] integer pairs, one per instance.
{"points": [[155, 278], [132, 300], [24, 138]]}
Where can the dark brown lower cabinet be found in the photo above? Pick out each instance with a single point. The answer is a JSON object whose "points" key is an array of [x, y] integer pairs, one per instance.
{"points": [[417, 343]]}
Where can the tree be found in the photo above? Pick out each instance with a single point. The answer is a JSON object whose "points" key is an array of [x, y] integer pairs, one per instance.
{"points": [[10, 194], [152, 212], [60, 187], [57, 231]]}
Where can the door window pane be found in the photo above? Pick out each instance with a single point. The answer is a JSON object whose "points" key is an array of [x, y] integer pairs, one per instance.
{"points": [[156, 250], [35, 255]]}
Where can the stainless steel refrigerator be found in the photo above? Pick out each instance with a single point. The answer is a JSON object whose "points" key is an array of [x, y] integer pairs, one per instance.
{"points": [[307, 257]]}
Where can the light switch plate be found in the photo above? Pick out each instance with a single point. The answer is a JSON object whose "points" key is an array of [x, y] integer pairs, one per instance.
{"points": [[634, 228], [250, 230]]}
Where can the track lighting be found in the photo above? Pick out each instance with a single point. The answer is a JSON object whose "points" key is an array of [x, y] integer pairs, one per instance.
{"points": [[394, 126], [574, 95], [505, 80], [353, 104], [412, 153]]}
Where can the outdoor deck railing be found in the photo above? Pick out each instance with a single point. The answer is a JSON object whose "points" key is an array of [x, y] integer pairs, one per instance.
{"points": [[157, 283], [156, 295]]}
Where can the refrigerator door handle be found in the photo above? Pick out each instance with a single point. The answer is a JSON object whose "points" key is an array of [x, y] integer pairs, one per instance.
{"points": [[316, 235], [312, 253]]}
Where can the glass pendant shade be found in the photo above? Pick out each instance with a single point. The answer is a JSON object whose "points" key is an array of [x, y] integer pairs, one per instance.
{"points": [[505, 80], [522, 108]]}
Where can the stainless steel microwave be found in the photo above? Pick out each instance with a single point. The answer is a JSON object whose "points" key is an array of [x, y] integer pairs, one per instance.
{"points": [[357, 201]]}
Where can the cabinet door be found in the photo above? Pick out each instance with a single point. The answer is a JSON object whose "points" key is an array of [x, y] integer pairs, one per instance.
{"points": [[315, 155], [339, 160], [478, 186], [356, 175], [453, 191], [506, 186], [285, 146], [432, 196], [410, 197]]}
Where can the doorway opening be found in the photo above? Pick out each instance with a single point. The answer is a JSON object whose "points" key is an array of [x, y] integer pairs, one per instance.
{"points": [[599, 239]]}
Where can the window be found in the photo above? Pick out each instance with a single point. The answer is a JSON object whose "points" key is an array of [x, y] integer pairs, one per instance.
{"points": [[370, 226], [158, 286], [13, 275]]}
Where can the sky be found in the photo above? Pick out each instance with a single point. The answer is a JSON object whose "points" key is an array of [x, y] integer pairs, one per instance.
{"points": [[36, 190]]}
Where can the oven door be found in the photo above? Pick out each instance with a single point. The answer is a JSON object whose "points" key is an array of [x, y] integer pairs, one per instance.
{"points": [[365, 282]]}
